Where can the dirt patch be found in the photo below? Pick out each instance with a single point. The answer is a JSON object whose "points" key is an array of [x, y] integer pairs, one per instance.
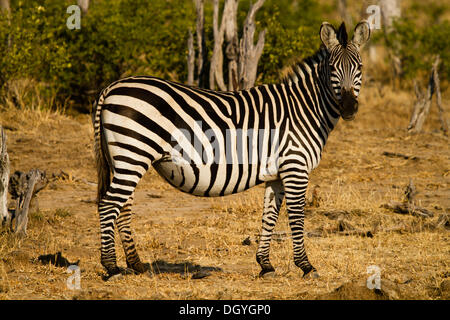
{"points": [[358, 290]]}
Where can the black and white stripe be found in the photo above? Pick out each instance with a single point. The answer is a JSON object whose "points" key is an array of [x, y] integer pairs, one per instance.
{"points": [[210, 143]]}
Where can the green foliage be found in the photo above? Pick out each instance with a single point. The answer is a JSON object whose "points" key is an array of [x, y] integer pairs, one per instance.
{"points": [[30, 49], [283, 45], [419, 37]]}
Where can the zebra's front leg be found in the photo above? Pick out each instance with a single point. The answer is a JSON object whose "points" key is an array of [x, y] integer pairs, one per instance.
{"points": [[273, 199], [295, 185], [123, 224]]}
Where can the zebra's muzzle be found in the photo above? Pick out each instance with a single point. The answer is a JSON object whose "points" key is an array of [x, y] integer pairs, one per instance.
{"points": [[348, 105]]}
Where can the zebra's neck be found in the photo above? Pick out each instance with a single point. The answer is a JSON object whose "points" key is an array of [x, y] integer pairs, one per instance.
{"points": [[311, 77]]}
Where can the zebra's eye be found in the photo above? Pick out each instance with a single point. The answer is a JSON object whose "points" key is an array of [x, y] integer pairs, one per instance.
{"points": [[360, 66], [332, 68]]}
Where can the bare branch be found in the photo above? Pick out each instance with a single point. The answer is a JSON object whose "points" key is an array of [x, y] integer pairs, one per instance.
{"points": [[191, 59]]}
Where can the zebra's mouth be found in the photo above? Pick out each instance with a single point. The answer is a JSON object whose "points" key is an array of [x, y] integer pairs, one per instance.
{"points": [[348, 105]]}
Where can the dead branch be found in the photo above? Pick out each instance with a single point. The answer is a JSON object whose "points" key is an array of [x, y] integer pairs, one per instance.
{"points": [[4, 178], [399, 155], [423, 102], [408, 206], [315, 198], [410, 192]]}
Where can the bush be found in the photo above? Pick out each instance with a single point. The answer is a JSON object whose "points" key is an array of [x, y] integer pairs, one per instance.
{"points": [[419, 37]]}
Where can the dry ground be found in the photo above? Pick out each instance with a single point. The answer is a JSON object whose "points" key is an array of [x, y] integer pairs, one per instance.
{"points": [[176, 228]]}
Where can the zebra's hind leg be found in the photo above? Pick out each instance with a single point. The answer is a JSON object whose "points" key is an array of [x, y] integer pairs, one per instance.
{"points": [[109, 208], [108, 212], [273, 199], [123, 224], [295, 184]]}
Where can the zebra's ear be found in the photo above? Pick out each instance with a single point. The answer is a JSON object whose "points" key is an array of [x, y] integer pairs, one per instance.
{"points": [[328, 35], [361, 34]]}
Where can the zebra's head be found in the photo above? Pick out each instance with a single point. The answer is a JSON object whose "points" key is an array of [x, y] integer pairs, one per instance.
{"points": [[345, 65]]}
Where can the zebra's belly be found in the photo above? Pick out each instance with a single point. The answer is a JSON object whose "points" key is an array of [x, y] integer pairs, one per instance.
{"points": [[212, 180]]}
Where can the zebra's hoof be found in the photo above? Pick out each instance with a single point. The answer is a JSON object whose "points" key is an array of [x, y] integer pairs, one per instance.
{"points": [[267, 273], [311, 275], [116, 276]]}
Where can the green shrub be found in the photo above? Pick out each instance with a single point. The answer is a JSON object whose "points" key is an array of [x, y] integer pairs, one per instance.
{"points": [[419, 36]]}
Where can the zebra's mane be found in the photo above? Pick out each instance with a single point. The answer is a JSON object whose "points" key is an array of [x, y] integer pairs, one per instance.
{"points": [[291, 72]]}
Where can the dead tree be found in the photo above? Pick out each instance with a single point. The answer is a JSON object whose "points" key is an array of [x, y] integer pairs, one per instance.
{"points": [[23, 187], [84, 5], [242, 55], [4, 5], [201, 48], [249, 53], [228, 25], [423, 102], [343, 12], [391, 10], [4, 178]]}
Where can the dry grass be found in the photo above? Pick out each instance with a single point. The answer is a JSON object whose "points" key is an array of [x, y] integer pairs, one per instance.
{"points": [[177, 228]]}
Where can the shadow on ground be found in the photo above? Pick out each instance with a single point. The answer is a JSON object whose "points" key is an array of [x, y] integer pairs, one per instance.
{"points": [[182, 268]]}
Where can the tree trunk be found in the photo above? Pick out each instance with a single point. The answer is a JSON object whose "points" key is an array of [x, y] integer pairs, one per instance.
{"points": [[201, 46], [343, 12], [231, 38], [4, 5], [191, 59], [216, 69], [249, 53], [390, 10], [437, 85], [4, 178], [242, 56], [84, 5]]}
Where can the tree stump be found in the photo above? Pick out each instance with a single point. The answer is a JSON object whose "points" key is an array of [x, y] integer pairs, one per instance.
{"points": [[4, 179], [23, 187], [423, 102]]}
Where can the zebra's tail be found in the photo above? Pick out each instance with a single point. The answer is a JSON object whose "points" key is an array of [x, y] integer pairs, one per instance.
{"points": [[100, 149]]}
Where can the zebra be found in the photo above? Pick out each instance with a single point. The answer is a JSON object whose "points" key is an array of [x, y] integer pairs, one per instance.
{"points": [[145, 121]]}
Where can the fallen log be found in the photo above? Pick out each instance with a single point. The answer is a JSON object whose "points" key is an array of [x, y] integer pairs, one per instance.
{"points": [[408, 208]]}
